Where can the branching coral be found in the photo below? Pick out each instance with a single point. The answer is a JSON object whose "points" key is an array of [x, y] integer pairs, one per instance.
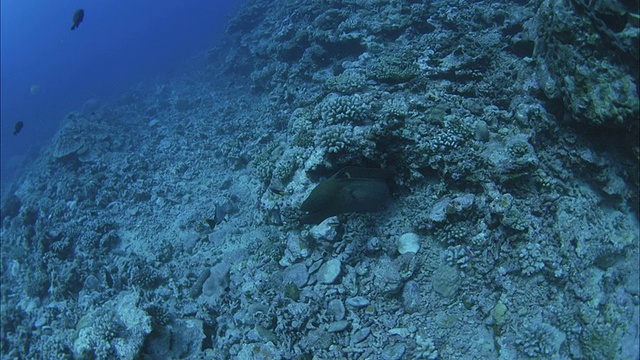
{"points": [[348, 109], [537, 338]]}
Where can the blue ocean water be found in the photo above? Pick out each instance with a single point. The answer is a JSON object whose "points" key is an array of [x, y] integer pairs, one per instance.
{"points": [[49, 70], [344, 179]]}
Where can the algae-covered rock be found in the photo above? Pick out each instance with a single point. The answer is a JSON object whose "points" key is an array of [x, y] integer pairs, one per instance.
{"points": [[329, 271], [394, 68], [69, 143], [586, 64], [446, 281]]}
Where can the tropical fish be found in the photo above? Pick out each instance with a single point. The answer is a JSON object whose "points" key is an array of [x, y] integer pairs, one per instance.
{"points": [[351, 189], [77, 18], [18, 127], [220, 214]]}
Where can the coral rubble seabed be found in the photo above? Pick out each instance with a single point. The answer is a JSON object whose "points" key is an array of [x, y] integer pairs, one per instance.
{"points": [[510, 129]]}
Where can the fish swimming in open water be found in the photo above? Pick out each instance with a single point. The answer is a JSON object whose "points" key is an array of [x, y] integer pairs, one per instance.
{"points": [[17, 127], [77, 18]]}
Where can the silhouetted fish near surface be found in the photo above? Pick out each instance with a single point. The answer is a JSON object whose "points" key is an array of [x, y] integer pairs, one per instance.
{"points": [[17, 127], [77, 18]]}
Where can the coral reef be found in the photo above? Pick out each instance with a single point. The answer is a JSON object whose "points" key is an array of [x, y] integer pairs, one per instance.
{"points": [[510, 133]]}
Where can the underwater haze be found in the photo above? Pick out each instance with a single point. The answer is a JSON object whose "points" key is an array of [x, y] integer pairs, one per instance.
{"points": [[49, 70], [313, 179]]}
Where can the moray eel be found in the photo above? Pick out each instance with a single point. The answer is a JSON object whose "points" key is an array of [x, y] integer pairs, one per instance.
{"points": [[352, 189]]}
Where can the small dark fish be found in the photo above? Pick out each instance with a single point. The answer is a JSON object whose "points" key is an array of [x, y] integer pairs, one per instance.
{"points": [[77, 18], [219, 215], [18, 127]]}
